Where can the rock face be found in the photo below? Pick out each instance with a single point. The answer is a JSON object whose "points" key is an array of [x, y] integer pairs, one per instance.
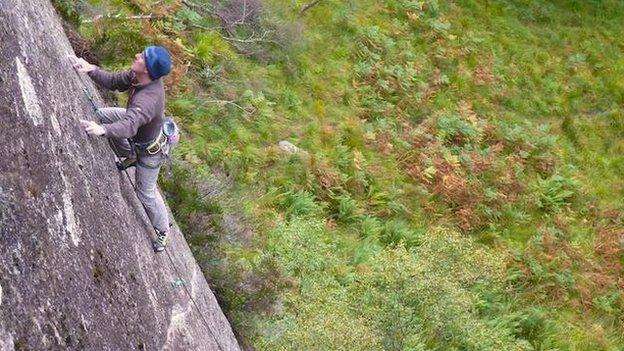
{"points": [[77, 269]]}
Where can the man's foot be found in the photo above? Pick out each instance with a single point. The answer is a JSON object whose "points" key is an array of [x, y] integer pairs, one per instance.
{"points": [[161, 241], [126, 163]]}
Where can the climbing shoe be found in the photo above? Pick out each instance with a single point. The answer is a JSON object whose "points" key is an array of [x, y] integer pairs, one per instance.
{"points": [[126, 163], [161, 241]]}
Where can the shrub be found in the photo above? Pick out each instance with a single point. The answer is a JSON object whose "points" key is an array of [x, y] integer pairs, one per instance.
{"points": [[370, 227], [454, 128], [299, 203], [346, 208], [67, 9], [404, 299], [211, 49], [396, 231], [424, 296], [555, 192]]}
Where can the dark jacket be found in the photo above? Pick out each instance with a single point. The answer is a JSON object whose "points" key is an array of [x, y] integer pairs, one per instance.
{"points": [[145, 110]]}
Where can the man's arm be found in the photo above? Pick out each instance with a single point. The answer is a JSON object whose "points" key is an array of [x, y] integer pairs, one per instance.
{"points": [[127, 126], [112, 81], [124, 128]]}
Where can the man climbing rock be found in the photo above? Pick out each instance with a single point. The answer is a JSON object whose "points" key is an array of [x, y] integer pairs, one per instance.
{"points": [[135, 132]]}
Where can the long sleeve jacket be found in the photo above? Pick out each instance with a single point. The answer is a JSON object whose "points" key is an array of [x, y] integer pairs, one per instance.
{"points": [[145, 110]]}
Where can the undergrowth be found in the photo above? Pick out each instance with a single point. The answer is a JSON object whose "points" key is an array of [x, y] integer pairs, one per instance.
{"points": [[457, 184]]}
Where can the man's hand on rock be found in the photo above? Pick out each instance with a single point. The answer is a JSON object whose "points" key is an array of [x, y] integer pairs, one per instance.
{"points": [[81, 64], [92, 128]]}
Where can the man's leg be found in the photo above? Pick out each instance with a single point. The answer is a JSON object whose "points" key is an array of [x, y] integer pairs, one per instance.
{"points": [[146, 177], [110, 115]]}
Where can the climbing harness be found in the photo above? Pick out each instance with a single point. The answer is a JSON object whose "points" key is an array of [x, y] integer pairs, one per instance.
{"points": [[177, 272], [167, 139], [151, 147]]}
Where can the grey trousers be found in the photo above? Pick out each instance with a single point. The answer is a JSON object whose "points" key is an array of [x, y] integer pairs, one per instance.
{"points": [[146, 175]]}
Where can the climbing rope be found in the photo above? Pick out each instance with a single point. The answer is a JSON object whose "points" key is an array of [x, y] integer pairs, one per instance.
{"points": [[177, 272]]}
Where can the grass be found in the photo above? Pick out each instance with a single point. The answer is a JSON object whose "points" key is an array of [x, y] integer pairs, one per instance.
{"points": [[500, 121]]}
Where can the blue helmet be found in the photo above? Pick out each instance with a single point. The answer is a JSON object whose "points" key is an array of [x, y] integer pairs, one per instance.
{"points": [[157, 61]]}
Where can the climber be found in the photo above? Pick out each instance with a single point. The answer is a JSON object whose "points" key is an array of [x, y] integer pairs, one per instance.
{"points": [[135, 132]]}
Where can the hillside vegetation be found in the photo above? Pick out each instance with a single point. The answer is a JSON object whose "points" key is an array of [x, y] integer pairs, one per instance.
{"points": [[458, 180]]}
